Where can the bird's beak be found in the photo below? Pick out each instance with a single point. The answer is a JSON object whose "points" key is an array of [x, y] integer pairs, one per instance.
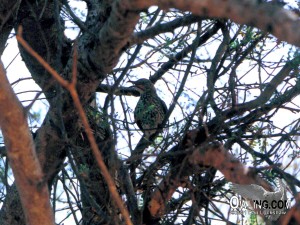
{"points": [[133, 84], [130, 81], [138, 88]]}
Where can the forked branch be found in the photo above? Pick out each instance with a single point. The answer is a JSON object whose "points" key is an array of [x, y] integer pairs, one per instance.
{"points": [[71, 87]]}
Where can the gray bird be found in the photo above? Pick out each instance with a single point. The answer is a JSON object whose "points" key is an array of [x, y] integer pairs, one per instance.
{"points": [[150, 110], [256, 192]]}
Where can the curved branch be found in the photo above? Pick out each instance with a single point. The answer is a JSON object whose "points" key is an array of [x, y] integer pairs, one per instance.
{"points": [[140, 37], [268, 17], [211, 155], [271, 87], [113, 39]]}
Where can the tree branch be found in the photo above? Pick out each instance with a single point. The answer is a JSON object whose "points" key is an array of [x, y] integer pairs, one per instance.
{"points": [[7, 10], [280, 22], [271, 86], [113, 38], [27, 171], [211, 155], [140, 37], [182, 54], [71, 87]]}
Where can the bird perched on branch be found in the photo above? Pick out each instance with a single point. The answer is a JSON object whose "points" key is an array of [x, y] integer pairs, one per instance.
{"points": [[150, 110]]}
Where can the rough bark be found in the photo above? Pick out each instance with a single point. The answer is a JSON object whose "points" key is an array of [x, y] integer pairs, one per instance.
{"points": [[270, 18], [8, 11], [31, 185]]}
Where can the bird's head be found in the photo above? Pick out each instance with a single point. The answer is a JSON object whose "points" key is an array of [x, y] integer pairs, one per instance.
{"points": [[143, 85]]}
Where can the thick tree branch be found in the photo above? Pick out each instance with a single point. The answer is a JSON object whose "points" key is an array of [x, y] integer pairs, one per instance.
{"points": [[214, 155], [71, 87], [280, 22], [27, 171], [113, 39], [7, 12], [43, 31], [207, 155]]}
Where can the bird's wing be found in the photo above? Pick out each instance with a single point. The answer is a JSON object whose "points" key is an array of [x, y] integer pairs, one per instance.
{"points": [[251, 191], [139, 124], [137, 116], [164, 108]]}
